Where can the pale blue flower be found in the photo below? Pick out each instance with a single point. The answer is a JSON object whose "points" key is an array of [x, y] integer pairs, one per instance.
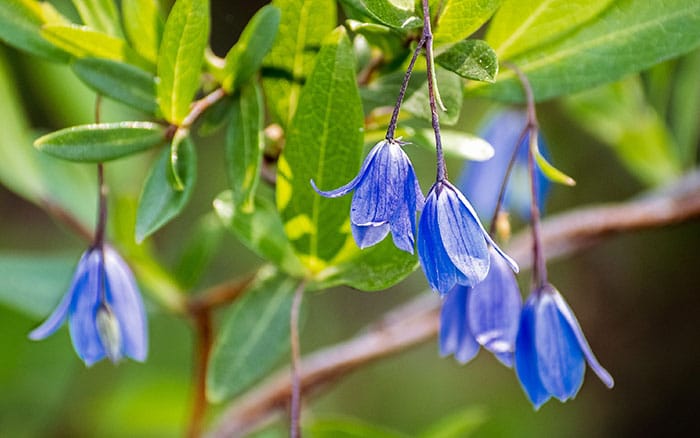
{"points": [[104, 310], [487, 314], [551, 351], [453, 246], [386, 197]]}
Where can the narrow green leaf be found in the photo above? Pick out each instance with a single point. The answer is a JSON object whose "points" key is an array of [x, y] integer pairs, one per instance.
{"points": [[121, 82], [399, 14], [175, 175], [253, 338], [456, 144], [101, 142], [347, 428], [461, 424], [451, 90], [160, 202], [324, 143], [639, 32], [244, 146], [620, 116], [460, 18], [20, 26], [302, 27], [246, 56], [685, 107], [519, 25], [100, 15], [261, 230], [34, 284], [471, 59], [181, 56], [199, 250], [83, 42], [143, 23], [551, 172]]}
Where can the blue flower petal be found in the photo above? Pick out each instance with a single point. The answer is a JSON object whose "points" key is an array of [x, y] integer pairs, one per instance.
{"points": [[124, 299], [506, 358], [455, 337], [83, 311], [461, 234], [381, 192], [568, 316], [57, 317], [526, 356], [439, 269], [344, 190], [368, 235], [560, 360], [494, 308]]}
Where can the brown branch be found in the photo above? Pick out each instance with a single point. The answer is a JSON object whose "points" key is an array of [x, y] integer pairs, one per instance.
{"points": [[204, 336], [417, 321]]}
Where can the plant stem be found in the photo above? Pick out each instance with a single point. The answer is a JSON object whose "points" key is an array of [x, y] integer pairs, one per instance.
{"points": [[204, 340], [402, 92], [101, 190], [428, 41], [295, 405]]}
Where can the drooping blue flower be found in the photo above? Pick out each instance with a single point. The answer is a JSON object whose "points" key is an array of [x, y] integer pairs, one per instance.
{"points": [[453, 246], [104, 310], [551, 351], [487, 314], [481, 181], [386, 197]]}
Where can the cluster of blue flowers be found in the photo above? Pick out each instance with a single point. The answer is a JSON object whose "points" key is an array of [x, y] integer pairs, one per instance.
{"points": [[482, 305]]}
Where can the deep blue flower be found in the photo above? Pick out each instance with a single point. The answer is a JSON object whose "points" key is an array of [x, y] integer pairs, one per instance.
{"points": [[487, 314], [104, 309], [453, 246], [386, 197], [481, 181], [551, 351]]}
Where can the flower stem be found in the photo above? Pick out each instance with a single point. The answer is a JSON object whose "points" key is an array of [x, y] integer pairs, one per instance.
{"points": [[295, 404], [101, 190], [428, 42], [539, 265], [402, 92]]}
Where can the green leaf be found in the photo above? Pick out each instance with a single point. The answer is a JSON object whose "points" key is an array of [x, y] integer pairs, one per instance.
{"points": [[519, 26], [253, 338], [100, 15], [143, 23], [461, 424], [455, 144], [160, 202], [347, 428], [121, 82], [261, 230], [83, 42], [324, 143], [215, 117], [34, 284], [302, 27], [399, 14], [244, 146], [101, 142], [181, 56], [551, 172], [371, 269], [200, 248], [685, 108], [20, 26], [390, 42], [628, 37], [451, 90], [471, 59], [619, 115], [246, 56], [459, 19]]}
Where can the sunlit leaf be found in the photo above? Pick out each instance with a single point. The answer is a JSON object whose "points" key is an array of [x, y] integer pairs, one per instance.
{"points": [[181, 56], [399, 14], [471, 59], [143, 24], [102, 141], [100, 15], [20, 26], [460, 18]]}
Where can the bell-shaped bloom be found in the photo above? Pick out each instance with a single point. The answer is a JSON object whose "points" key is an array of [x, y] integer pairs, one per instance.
{"points": [[104, 309], [386, 197], [481, 181], [453, 246], [551, 351], [487, 314]]}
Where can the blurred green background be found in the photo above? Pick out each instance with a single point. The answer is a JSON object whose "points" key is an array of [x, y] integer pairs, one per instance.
{"points": [[636, 295]]}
